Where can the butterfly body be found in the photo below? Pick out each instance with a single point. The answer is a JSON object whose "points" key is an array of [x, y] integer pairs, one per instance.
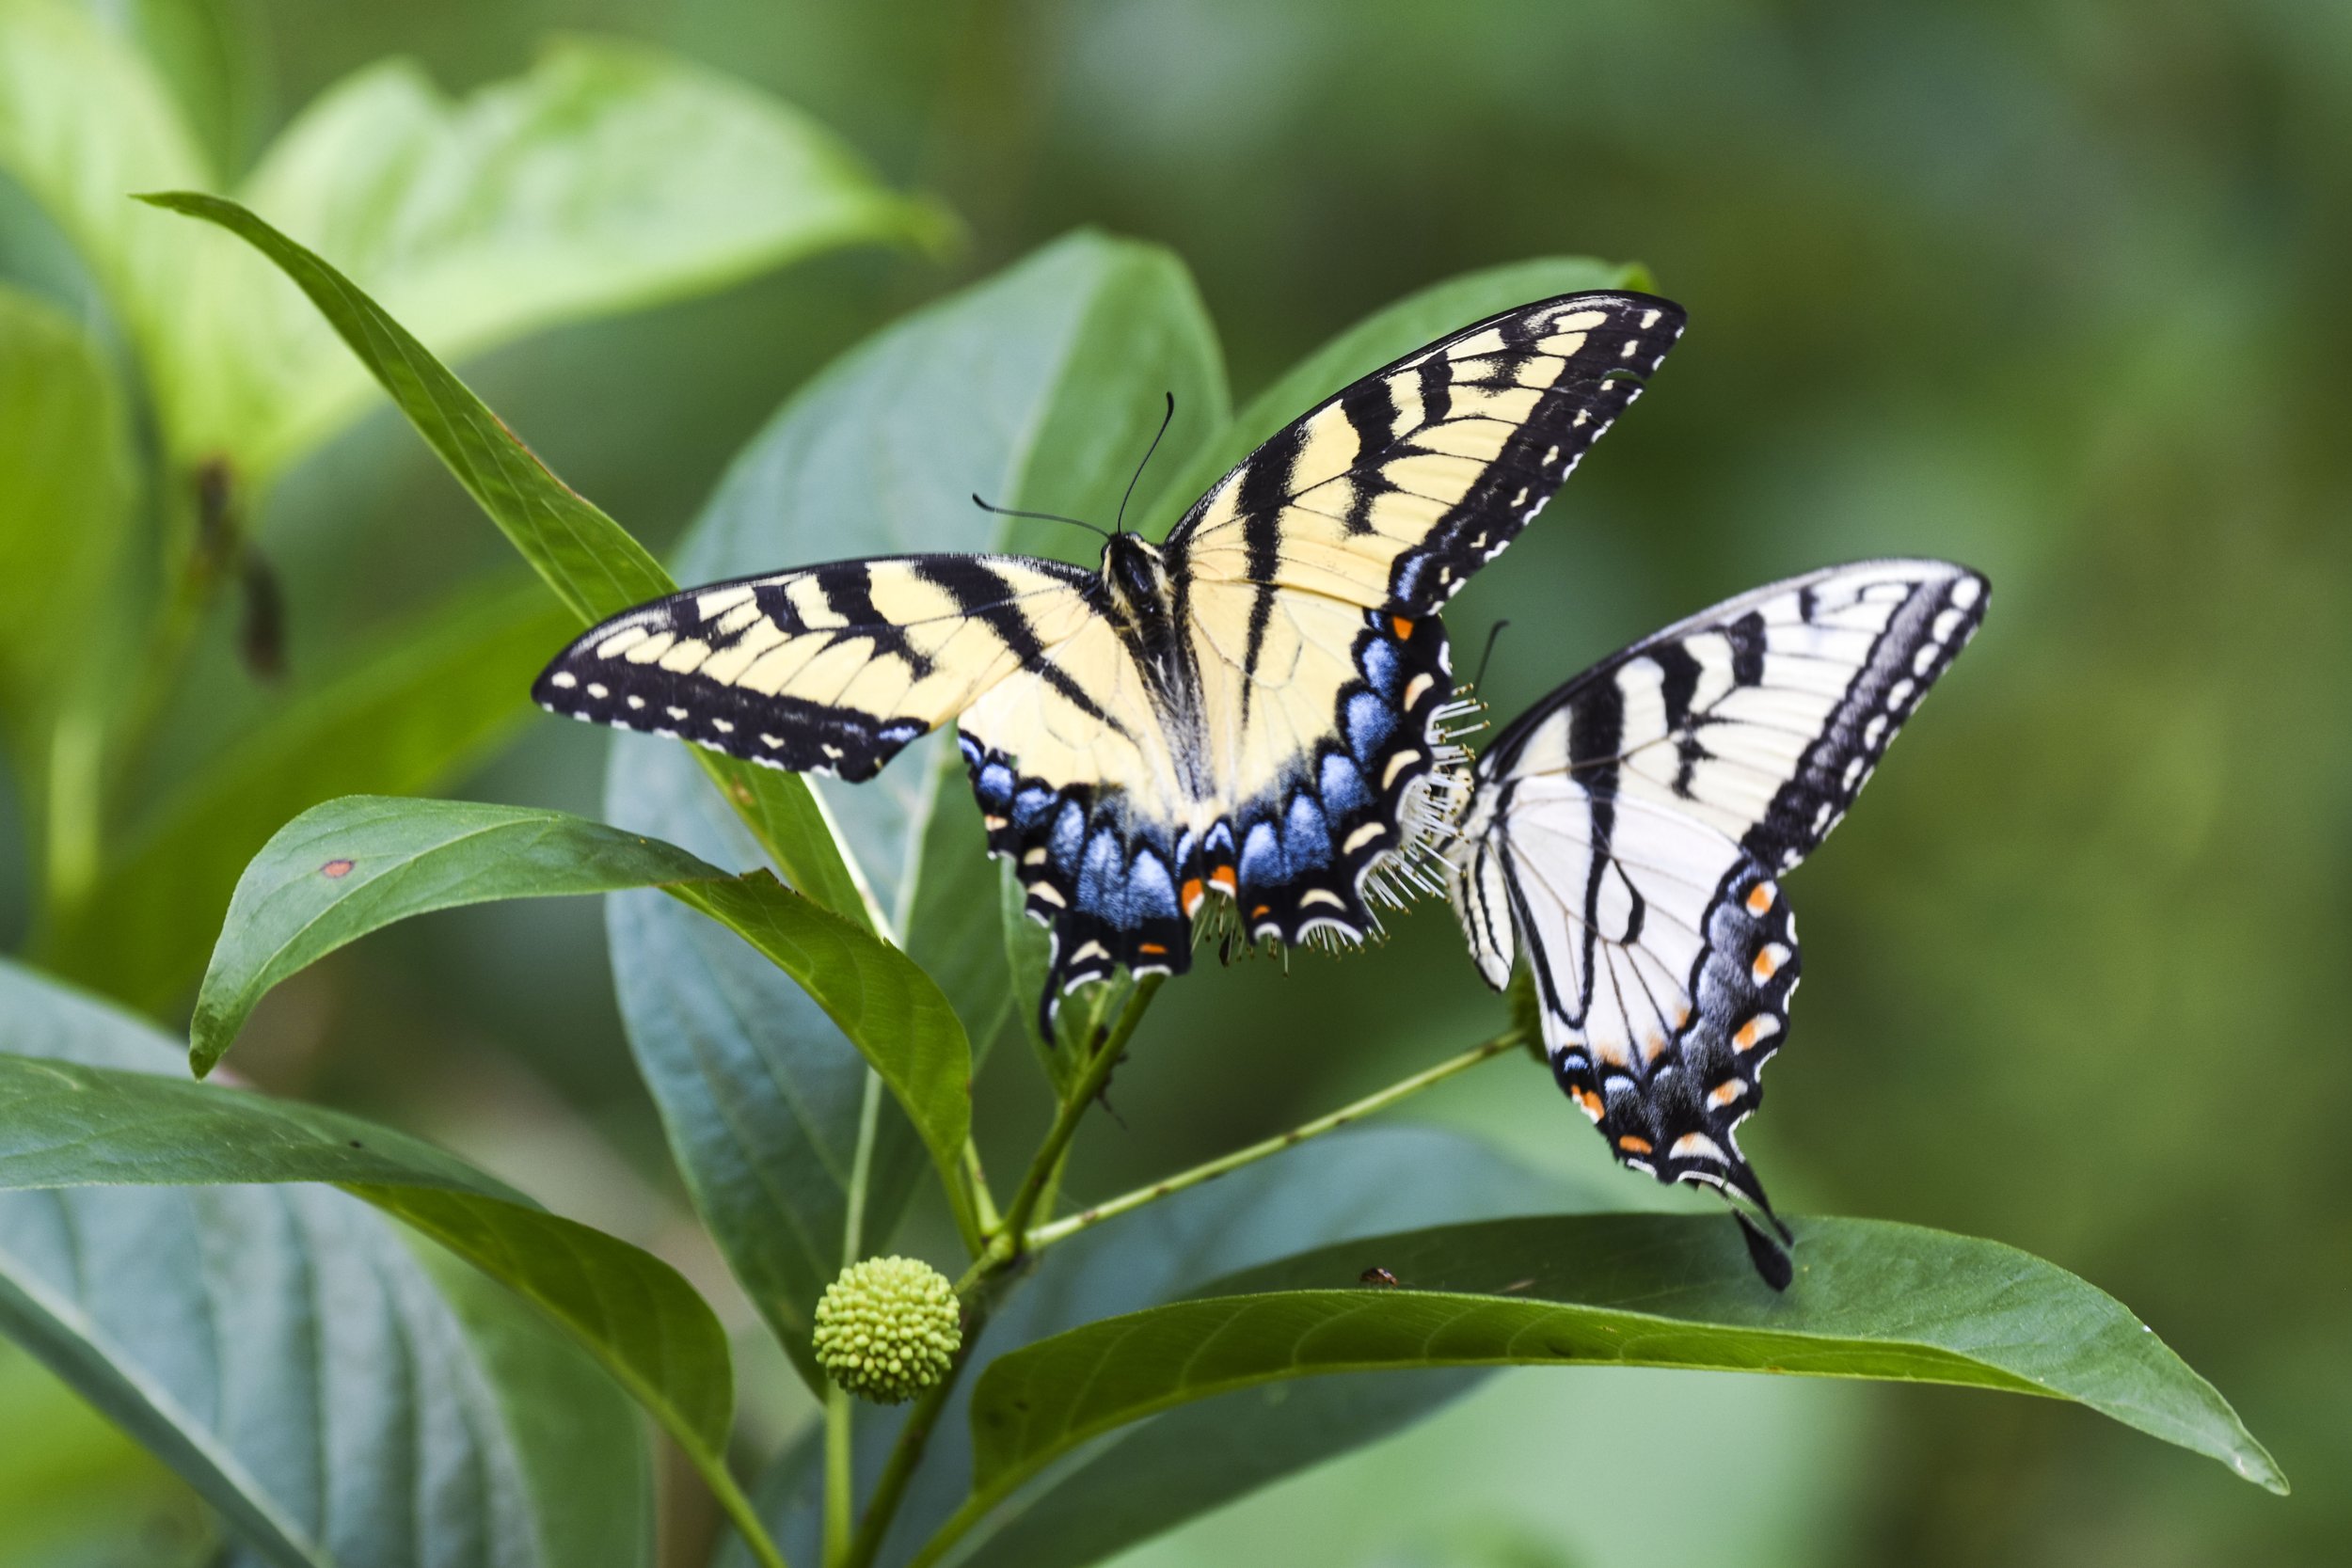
{"points": [[1253, 710], [1628, 831]]}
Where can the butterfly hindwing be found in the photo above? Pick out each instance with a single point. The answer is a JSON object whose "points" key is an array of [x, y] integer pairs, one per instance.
{"points": [[1626, 834]]}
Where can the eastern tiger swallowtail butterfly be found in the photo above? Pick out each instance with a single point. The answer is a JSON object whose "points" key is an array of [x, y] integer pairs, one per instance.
{"points": [[1253, 709], [1626, 832]]}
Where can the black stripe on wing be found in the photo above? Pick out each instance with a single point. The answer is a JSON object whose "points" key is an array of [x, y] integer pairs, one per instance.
{"points": [[1919, 644]]}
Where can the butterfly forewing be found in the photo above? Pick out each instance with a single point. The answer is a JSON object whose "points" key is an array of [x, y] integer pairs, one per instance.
{"points": [[1393, 491], [827, 670], [1625, 833]]}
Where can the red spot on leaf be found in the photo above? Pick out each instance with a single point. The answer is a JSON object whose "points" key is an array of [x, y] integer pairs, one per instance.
{"points": [[336, 868]]}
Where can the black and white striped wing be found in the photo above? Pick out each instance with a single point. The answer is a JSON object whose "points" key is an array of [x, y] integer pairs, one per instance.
{"points": [[1626, 832], [1308, 580], [834, 669], [1392, 492]]}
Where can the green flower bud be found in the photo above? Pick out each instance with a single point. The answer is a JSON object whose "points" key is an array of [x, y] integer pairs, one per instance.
{"points": [[888, 1328]]}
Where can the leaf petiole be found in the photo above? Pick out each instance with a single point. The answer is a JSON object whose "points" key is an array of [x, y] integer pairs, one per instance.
{"points": [[1046, 1235]]}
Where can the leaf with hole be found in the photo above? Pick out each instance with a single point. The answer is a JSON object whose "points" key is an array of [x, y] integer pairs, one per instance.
{"points": [[430, 697], [355, 865]]}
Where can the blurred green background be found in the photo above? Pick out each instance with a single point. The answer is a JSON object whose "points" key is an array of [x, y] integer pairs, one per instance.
{"points": [[2055, 289]]}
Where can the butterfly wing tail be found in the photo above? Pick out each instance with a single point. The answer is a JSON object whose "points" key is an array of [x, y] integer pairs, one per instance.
{"points": [[1770, 1257]]}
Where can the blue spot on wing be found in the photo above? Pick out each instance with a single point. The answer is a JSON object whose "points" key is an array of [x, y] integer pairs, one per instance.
{"points": [[1261, 856], [1031, 806], [1305, 839], [1068, 841], [1370, 722], [1382, 668], [1101, 889], [1149, 890], [1345, 793]]}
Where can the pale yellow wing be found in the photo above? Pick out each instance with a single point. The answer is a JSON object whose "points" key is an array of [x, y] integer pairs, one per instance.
{"points": [[1393, 491], [827, 669]]}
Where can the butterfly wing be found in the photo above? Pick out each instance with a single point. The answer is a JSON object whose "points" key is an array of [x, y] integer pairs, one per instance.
{"points": [[1627, 829], [1392, 492], [834, 669], [1308, 576], [1079, 787], [827, 670]]}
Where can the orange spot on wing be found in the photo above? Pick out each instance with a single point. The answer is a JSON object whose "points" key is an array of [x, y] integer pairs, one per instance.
{"points": [[1404, 629], [1745, 1039], [1760, 897], [1223, 880], [1590, 1102], [1766, 966], [1632, 1145], [1150, 947], [1260, 910], [1191, 897], [336, 868]]}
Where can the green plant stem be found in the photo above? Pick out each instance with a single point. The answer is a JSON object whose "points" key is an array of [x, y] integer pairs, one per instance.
{"points": [[1046, 1235], [984, 1201], [978, 1287], [737, 1508], [1082, 1095], [840, 1482], [840, 1415]]}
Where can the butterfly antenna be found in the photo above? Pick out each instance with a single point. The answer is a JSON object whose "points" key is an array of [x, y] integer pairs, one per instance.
{"points": [[1041, 517], [1478, 681], [1166, 419]]}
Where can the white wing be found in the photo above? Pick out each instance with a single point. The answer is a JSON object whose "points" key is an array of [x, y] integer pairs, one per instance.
{"points": [[1625, 830]]}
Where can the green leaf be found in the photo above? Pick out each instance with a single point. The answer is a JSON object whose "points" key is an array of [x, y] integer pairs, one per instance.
{"points": [[1871, 1299], [899, 1020], [355, 865], [66, 486], [759, 1091], [578, 1438], [593, 564], [1148, 1476], [1387, 334], [83, 121], [434, 694], [77, 1492], [608, 177], [281, 1347]]}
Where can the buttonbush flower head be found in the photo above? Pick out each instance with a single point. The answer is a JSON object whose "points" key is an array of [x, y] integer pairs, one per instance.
{"points": [[888, 1328]]}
